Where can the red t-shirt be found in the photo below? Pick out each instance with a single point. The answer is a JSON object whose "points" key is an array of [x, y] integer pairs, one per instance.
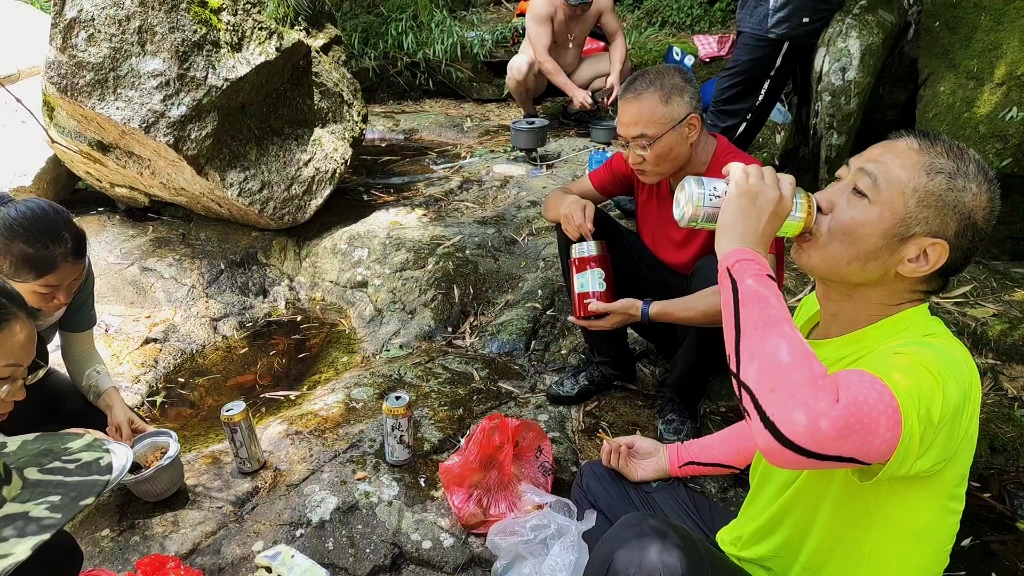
{"points": [[679, 248]]}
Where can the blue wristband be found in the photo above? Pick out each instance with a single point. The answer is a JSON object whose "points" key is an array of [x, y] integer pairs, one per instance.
{"points": [[645, 312]]}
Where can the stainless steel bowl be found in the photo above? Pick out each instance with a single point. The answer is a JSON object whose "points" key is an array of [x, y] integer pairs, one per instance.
{"points": [[163, 479]]}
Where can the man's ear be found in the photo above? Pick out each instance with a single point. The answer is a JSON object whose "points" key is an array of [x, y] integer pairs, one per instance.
{"points": [[922, 256], [692, 127]]}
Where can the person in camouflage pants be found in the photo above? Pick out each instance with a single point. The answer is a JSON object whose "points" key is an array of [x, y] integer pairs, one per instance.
{"points": [[45, 479]]}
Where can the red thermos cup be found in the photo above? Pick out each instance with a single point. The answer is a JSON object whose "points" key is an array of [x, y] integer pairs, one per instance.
{"points": [[590, 269]]}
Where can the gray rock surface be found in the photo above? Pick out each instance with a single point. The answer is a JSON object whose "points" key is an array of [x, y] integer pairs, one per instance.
{"points": [[200, 103]]}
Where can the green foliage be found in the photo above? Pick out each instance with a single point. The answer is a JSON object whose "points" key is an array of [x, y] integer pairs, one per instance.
{"points": [[43, 5], [414, 42], [677, 17], [206, 13]]}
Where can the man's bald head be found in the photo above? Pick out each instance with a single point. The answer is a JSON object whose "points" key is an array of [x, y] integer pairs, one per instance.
{"points": [[956, 199], [673, 86]]}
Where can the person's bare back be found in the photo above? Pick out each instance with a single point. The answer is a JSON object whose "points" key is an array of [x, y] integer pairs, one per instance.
{"points": [[556, 32]]}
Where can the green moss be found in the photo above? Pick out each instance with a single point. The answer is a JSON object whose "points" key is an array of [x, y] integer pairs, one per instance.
{"points": [[972, 54], [49, 108], [206, 13]]}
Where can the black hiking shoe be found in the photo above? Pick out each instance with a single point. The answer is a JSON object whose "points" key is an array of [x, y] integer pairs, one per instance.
{"points": [[579, 117], [626, 205], [582, 383], [674, 422]]}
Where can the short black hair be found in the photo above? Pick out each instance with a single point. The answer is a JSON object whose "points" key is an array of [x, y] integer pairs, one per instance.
{"points": [[13, 307], [673, 84], [957, 199], [36, 238]]}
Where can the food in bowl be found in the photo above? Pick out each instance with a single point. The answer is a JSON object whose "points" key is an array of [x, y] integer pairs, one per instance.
{"points": [[153, 458]]}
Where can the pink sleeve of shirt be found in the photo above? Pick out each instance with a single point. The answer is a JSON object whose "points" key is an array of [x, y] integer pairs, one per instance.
{"points": [[727, 451], [799, 416]]}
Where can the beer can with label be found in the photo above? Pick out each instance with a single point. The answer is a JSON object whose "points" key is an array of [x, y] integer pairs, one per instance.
{"points": [[698, 200], [398, 434], [241, 431]]}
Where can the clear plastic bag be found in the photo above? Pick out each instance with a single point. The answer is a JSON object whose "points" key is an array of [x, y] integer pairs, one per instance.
{"points": [[547, 542]]}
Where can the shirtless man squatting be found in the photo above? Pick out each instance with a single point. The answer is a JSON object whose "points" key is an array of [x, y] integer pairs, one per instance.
{"points": [[556, 31]]}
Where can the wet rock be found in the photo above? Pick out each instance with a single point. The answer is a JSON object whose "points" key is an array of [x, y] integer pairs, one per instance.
{"points": [[163, 287], [201, 104], [972, 78]]}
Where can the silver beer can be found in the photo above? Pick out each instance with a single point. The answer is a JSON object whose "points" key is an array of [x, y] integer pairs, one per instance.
{"points": [[241, 432], [698, 201], [398, 433]]}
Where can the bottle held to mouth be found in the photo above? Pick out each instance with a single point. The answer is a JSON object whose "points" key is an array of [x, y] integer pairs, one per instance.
{"points": [[698, 200], [590, 271]]}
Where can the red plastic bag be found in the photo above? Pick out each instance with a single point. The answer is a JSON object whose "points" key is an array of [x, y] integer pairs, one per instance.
{"points": [[593, 46], [152, 565], [481, 479], [160, 565]]}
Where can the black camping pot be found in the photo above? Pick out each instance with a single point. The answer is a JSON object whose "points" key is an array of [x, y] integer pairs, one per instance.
{"points": [[529, 133], [602, 132]]}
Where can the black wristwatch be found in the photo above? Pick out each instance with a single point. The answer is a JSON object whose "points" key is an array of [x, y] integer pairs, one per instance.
{"points": [[645, 312]]}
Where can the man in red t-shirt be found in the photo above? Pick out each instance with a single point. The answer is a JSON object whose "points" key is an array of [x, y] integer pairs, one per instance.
{"points": [[664, 276]]}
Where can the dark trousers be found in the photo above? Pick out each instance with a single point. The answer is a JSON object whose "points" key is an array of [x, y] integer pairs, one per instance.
{"points": [[652, 529], [60, 555], [695, 354], [752, 83], [53, 404]]}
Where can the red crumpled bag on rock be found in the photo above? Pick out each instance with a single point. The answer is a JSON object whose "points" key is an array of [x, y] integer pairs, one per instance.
{"points": [[160, 565], [481, 479], [152, 565]]}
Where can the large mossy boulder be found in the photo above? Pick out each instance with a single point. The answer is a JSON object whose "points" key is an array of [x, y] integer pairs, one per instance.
{"points": [[972, 62], [850, 55], [200, 103]]}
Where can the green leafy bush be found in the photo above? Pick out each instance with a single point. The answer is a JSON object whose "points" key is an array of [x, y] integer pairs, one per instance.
{"points": [[415, 42], [43, 5]]}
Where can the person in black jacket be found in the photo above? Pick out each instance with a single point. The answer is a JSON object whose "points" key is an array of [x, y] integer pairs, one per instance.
{"points": [[775, 42]]}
